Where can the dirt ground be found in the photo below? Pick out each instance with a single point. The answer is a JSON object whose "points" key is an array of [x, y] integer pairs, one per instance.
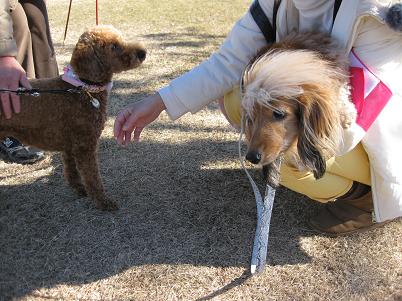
{"points": [[187, 216]]}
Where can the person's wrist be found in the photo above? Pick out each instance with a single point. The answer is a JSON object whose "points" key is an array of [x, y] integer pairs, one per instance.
{"points": [[9, 62], [7, 58], [159, 102]]}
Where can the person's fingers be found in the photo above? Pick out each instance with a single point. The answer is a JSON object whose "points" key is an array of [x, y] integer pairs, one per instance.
{"points": [[137, 133], [120, 138], [130, 123], [127, 138], [117, 127], [120, 121], [5, 102], [24, 81], [15, 99], [1, 101]]}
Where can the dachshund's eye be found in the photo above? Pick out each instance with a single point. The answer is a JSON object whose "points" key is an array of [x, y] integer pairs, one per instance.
{"points": [[278, 115]]}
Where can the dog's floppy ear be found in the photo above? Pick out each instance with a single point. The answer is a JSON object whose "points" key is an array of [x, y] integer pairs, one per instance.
{"points": [[86, 62], [319, 128], [308, 144]]}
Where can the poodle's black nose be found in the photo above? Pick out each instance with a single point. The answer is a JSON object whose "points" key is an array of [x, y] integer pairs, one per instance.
{"points": [[254, 157], [141, 54]]}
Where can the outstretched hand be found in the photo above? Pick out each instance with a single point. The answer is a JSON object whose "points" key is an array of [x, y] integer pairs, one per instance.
{"points": [[12, 75], [135, 117]]}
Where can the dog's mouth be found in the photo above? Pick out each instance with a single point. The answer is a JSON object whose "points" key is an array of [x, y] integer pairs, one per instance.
{"points": [[260, 158], [141, 55], [133, 59], [131, 62], [269, 163], [271, 172], [269, 159]]}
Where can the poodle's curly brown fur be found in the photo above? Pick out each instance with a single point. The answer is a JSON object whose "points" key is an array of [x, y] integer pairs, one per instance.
{"points": [[69, 123]]}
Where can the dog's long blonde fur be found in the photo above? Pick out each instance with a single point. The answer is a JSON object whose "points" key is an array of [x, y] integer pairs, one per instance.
{"points": [[278, 74], [295, 97]]}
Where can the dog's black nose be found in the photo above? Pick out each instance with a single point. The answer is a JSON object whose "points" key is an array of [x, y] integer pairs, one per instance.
{"points": [[254, 157], [141, 54]]}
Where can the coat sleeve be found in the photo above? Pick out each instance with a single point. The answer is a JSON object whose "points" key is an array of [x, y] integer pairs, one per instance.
{"points": [[220, 72], [8, 46]]}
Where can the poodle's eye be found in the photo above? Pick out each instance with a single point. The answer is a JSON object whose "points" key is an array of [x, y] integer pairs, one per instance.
{"points": [[278, 115], [115, 47]]}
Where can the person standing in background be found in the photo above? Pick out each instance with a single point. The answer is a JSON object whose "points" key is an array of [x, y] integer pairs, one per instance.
{"points": [[26, 51]]}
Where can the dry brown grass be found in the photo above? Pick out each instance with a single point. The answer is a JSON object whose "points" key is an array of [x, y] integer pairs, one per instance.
{"points": [[186, 221]]}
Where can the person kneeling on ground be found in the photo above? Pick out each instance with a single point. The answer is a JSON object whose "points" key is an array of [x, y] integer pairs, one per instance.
{"points": [[361, 189], [26, 49]]}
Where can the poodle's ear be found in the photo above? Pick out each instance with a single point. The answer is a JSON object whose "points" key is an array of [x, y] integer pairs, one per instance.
{"points": [[86, 62], [318, 129]]}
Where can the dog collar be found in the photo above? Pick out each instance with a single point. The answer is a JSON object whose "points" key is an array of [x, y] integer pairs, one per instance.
{"points": [[70, 77]]}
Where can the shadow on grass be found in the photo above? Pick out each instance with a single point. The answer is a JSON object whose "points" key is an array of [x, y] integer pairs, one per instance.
{"points": [[126, 91], [190, 38], [172, 211], [184, 39], [234, 283]]}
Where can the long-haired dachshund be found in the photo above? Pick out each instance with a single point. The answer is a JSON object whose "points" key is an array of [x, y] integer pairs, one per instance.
{"points": [[72, 122], [296, 102]]}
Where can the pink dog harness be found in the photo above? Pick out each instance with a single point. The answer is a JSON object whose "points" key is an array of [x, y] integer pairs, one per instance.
{"points": [[369, 93]]}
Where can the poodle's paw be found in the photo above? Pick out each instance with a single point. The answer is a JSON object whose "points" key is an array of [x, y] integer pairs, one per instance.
{"points": [[106, 205]]}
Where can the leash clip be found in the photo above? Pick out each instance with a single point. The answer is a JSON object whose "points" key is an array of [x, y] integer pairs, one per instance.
{"points": [[72, 91], [95, 103]]}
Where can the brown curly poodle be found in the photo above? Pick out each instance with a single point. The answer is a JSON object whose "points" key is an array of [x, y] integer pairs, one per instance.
{"points": [[72, 122]]}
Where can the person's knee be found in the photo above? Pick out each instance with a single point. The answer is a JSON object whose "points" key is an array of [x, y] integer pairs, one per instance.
{"points": [[231, 107]]}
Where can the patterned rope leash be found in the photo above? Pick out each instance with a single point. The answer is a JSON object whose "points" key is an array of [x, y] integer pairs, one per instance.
{"points": [[264, 212], [37, 92], [68, 17]]}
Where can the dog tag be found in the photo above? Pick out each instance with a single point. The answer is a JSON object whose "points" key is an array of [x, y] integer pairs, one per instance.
{"points": [[95, 103]]}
